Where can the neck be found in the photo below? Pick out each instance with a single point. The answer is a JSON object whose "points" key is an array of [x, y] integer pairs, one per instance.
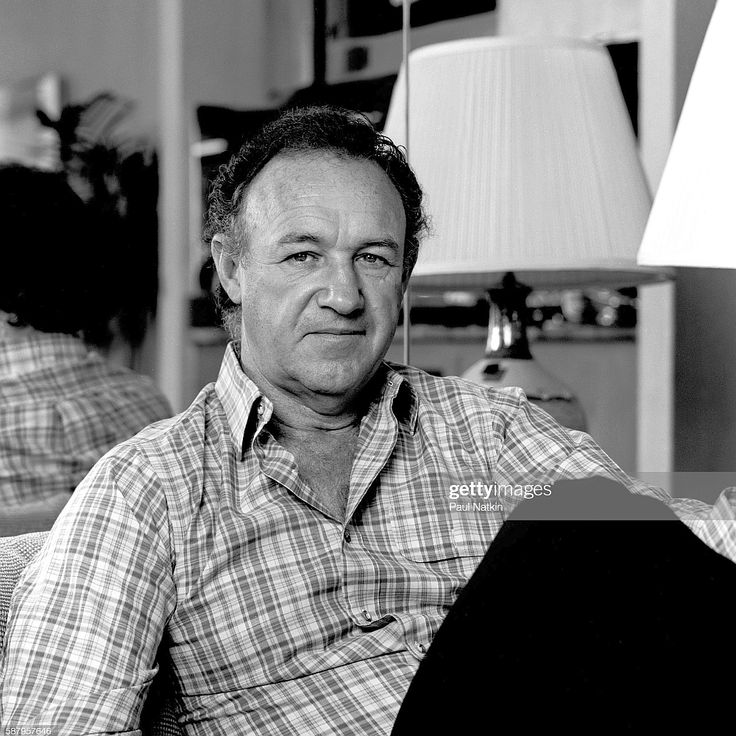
{"points": [[291, 416], [304, 411]]}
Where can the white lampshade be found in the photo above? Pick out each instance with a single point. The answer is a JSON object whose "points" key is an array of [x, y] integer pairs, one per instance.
{"points": [[693, 220], [528, 160]]}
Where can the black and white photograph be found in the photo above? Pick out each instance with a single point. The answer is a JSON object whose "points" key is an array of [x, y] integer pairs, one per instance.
{"points": [[367, 367]]}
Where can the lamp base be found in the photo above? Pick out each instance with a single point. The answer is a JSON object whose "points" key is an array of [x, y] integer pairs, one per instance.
{"points": [[540, 386]]}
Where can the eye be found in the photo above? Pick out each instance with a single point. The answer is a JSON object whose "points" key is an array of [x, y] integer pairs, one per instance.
{"points": [[300, 257], [373, 259]]}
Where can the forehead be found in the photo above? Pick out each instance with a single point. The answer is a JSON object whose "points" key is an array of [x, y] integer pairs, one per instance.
{"points": [[299, 180]]}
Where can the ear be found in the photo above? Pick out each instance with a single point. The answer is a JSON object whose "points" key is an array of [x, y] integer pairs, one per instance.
{"points": [[227, 265]]}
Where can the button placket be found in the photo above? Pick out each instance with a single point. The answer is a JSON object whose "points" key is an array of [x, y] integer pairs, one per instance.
{"points": [[363, 616]]}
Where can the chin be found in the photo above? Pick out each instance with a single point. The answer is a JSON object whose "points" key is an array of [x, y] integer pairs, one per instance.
{"points": [[337, 379]]}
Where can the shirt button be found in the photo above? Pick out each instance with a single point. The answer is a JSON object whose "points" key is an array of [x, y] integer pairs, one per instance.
{"points": [[346, 536], [260, 410], [421, 647], [367, 615]]}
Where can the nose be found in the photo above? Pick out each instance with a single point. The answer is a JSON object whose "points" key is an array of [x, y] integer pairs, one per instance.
{"points": [[341, 292]]}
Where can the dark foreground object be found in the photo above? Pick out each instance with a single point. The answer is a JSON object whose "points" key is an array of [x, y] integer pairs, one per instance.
{"points": [[584, 626]]}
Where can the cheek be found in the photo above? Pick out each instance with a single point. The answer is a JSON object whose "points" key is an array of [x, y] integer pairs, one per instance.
{"points": [[261, 309], [273, 307], [387, 307]]}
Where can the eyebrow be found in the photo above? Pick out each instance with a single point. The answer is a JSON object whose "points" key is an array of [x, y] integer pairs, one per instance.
{"points": [[383, 243], [307, 237], [298, 237]]}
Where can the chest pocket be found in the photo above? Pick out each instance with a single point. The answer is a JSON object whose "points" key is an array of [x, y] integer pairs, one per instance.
{"points": [[428, 529]]}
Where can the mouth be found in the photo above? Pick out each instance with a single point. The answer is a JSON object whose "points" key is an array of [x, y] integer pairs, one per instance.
{"points": [[337, 339], [338, 333]]}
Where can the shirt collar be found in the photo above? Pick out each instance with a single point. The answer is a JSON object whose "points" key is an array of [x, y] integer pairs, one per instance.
{"points": [[240, 398], [23, 350], [248, 410], [397, 390]]}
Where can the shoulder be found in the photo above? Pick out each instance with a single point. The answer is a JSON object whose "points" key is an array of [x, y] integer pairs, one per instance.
{"points": [[458, 395], [166, 458], [177, 441], [157, 479]]}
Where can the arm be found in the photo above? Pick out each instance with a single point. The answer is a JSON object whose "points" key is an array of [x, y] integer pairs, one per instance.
{"points": [[537, 449], [89, 613]]}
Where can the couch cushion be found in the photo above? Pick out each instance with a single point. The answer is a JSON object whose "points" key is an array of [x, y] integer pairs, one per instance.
{"points": [[15, 554]]}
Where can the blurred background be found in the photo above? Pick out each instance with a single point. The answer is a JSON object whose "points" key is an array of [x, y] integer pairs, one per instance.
{"points": [[141, 101]]}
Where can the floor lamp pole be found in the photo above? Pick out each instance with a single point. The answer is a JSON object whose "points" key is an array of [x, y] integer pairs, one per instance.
{"points": [[405, 30]]}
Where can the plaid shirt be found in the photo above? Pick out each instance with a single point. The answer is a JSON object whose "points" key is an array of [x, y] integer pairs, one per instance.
{"points": [[61, 409], [275, 617]]}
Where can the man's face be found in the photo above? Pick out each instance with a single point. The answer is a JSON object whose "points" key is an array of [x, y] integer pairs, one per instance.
{"points": [[320, 282]]}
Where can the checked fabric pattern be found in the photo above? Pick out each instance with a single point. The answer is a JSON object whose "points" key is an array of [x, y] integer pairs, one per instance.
{"points": [[15, 554], [63, 408], [275, 616]]}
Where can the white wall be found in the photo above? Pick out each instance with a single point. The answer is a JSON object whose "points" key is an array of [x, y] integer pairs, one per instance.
{"points": [[226, 58], [113, 44], [94, 45], [603, 20], [289, 47]]}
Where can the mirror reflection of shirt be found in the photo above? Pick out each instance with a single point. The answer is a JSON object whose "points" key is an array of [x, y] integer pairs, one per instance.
{"points": [[62, 407]]}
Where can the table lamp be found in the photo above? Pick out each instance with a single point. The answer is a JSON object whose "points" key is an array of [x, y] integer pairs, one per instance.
{"points": [[692, 220], [529, 164]]}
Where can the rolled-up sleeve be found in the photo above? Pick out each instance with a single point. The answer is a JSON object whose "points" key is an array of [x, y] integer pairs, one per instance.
{"points": [[716, 525], [536, 448], [88, 615]]}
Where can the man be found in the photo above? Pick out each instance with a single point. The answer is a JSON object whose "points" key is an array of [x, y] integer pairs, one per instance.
{"points": [[62, 406], [287, 543]]}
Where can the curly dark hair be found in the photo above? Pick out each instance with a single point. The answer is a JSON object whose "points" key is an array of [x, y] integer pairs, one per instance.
{"points": [[53, 274], [333, 129]]}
